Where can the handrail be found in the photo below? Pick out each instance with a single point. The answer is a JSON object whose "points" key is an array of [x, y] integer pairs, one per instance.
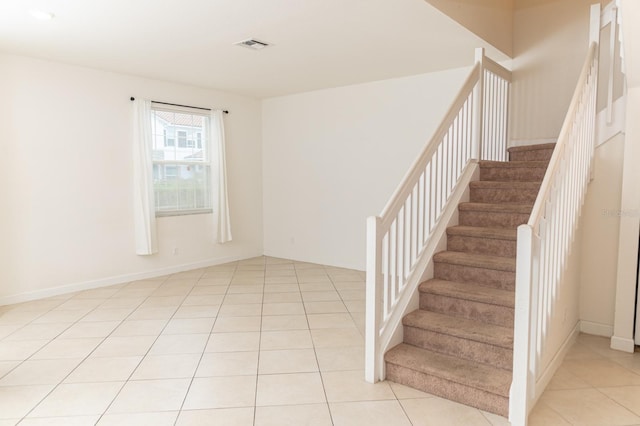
{"points": [[491, 65], [395, 202], [401, 240]]}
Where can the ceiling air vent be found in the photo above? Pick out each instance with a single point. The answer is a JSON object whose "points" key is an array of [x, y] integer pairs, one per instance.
{"points": [[252, 43]]}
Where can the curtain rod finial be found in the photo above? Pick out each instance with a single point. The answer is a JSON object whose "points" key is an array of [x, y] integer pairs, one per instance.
{"points": [[133, 99], [225, 111]]}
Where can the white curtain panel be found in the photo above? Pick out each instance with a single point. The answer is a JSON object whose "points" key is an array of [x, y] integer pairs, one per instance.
{"points": [[143, 199], [222, 224]]}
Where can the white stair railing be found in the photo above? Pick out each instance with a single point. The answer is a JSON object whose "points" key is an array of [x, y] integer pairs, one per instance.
{"points": [[399, 240], [544, 243]]}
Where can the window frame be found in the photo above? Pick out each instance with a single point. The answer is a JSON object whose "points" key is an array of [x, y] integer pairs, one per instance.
{"points": [[206, 163]]}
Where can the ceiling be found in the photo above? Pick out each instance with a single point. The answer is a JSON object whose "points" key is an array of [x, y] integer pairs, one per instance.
{"points": [[315, 43]]}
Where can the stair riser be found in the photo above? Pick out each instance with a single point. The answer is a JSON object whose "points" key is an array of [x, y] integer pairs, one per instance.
{"points": [[462, 348], [503, 195], [470, 309], [533, 155], [476, 245], [492, 219], [446, 389], [469, 274], [507, 174]]}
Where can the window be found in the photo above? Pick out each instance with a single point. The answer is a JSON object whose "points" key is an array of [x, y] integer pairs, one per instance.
{"points": [[182, 139], [190, 142], [181, 171], [169, 138]]}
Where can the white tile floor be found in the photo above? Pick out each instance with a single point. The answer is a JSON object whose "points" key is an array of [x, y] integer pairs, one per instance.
{"points": [[259, 342]]}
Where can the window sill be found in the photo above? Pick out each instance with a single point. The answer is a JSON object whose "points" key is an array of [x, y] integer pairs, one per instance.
{"points": [[183, 212]]}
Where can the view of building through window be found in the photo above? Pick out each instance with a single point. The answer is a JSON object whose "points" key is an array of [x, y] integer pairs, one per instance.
{"points": [[181, 163]]}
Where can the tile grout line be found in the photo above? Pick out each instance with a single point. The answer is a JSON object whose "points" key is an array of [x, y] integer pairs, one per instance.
{"points": [[142, 358], [184, 399], [86, 357], [315, 353], [20, 362], [255, 395]]}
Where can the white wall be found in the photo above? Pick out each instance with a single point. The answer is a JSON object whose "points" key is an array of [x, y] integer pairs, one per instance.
{"points": [[601, 222], [629, 228], [333, 157], [67, 180], [550, 43], [630, 205]]}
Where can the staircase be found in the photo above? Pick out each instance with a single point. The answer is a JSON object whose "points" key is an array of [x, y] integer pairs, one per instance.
{"points": [[459, 344]]}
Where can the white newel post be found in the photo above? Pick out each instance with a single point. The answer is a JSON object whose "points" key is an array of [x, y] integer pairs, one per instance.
{"points": [[519, 395], [373, 357]]}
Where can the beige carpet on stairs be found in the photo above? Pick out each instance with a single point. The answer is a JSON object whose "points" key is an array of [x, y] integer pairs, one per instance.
{"points": [[459, 344]]}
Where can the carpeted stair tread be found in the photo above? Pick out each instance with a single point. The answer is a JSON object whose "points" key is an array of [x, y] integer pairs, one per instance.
{"points": [[498, 184], [513, 171], [469, 291], [476, 260], [514, 164], [483, 232], [481, 239], [537, 147], [496, 208], [476, 331], [457, 370], [541, 152]]}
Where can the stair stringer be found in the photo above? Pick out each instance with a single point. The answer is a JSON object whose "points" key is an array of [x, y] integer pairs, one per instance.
{"points": [[393, 333]]}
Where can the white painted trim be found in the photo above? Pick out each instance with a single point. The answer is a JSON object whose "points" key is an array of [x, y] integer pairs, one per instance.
{"points": [[526, 142], [117, 279], [604, 131], [595, 328], [622, 344], [547, 375]]}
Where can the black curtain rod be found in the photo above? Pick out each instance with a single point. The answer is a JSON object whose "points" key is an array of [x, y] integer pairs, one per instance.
{"points": [[185, 106]]}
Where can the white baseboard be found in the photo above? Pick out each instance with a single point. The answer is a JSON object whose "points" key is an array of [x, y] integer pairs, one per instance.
{"points": [[118, 279], [596, 329], [622, 344]]}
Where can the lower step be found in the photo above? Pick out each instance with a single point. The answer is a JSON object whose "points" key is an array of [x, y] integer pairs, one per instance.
{"points": [[503, 192], [493, 215], [522, 171], [449, 377], [473, 340], [468, 300], [478, 240], [492, 271]]}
